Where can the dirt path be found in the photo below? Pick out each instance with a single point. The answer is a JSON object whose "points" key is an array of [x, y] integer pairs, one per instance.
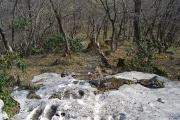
{"points": [[91, 70]]}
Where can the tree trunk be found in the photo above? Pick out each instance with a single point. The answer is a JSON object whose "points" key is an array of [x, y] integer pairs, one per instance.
{"points": [[137, 33], [61, 30], [105, 28], [12, 30], [113, 35], [30, 34], [164, 24], [112, 19], [118, 35], [5, 42]]}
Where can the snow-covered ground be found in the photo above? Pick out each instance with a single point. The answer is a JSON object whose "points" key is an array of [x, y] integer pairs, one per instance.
{"points": [[70, 99], [3, 115]]}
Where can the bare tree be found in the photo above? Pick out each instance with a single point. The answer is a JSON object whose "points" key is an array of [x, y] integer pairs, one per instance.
{"points": [[156, 19], [161, 22], [12, 29], [58, 15], [137, 33], [112, 15], [122, 20]]}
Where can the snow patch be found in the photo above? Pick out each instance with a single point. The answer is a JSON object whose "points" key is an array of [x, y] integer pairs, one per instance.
{"points": [[3, 114], [70, 99]]}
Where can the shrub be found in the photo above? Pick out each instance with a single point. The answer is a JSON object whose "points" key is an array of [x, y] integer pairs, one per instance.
{"points": [[36, 51], [56, 43], [140, 57], [21, 23], [75, 45], [7, 60]]}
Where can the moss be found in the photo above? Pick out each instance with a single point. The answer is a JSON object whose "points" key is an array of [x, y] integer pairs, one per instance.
{"points": [[116, 82], [111, 83], [160, 100], [58, 96], [32, 95]]}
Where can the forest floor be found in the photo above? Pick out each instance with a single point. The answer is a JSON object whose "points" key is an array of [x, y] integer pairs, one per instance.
{"points": [[88, 65]]}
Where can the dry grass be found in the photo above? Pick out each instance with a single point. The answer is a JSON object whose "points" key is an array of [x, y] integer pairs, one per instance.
{"points": [[38, 64], [171, 63]]}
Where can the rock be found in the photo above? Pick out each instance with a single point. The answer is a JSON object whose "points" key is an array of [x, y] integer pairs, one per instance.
{"points": [[111, 83], [65, 73], [81, 93], [32, 95], [60, 115], [107, 42], [73, 74], [56, 62], [151, 83], [94, 82], [155, 83], [108, 71], [75, 82], [122, 116], [58, 96]]}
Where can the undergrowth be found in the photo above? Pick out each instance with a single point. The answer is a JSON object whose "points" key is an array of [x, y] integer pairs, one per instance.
{"points": [[56, 43], [7, 61], [140, 58]]}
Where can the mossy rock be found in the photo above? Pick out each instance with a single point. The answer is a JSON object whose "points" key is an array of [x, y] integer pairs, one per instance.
{"points": [[113, 83], [151, 83]]}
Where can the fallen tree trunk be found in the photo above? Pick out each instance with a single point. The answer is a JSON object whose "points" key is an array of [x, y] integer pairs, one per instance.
{"points": [[103, 57]]}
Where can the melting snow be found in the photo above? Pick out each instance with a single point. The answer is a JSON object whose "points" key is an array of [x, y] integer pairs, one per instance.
{"points": [[70, 99], [3, 115]]}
